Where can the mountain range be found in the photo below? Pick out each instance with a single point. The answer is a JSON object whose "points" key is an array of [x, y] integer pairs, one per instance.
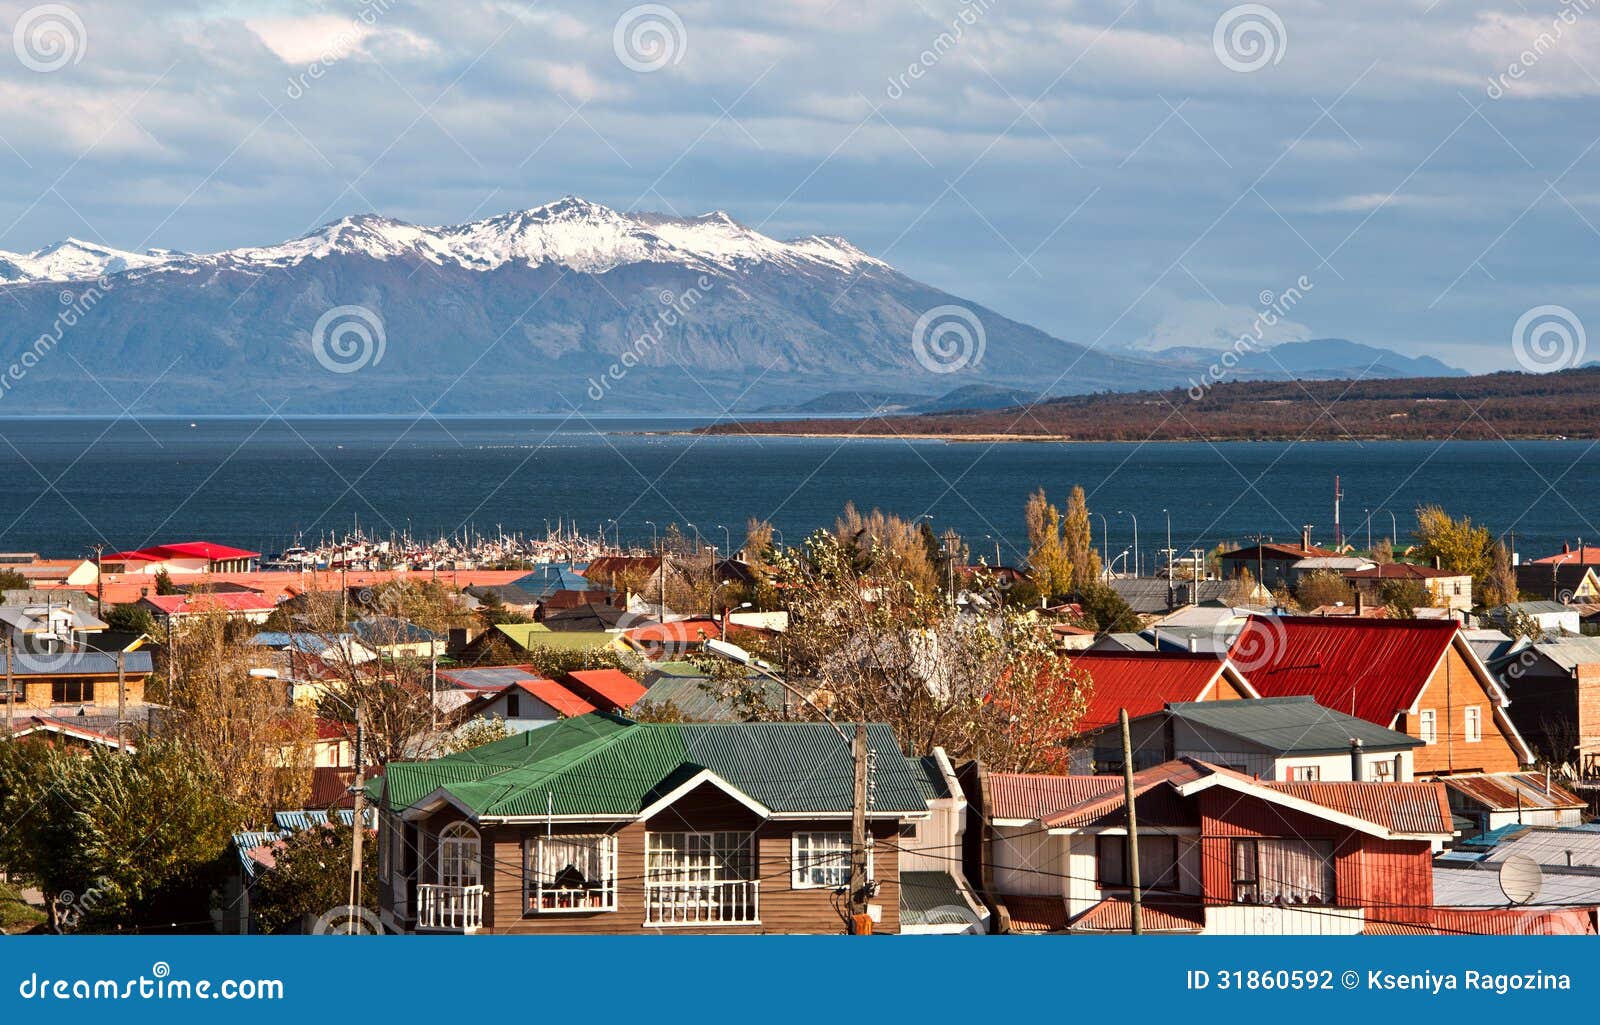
{"points": [[570, 305]]}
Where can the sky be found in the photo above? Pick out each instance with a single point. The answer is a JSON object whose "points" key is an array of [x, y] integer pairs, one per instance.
{"points": [[1126, 175]]}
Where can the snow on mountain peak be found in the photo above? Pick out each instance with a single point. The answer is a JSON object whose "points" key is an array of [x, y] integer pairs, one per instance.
{"points": [[570, 232]]}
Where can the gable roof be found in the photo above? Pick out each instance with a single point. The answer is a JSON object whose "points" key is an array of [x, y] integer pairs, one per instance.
{"points": [[1513, 791], [607, 767], [1401, 571], [1291, 725], [1374, 669], [1145, 681], [547, 579], [612, 686], [1588, 555], [1271, 550], [182, 550], [224, 601]]}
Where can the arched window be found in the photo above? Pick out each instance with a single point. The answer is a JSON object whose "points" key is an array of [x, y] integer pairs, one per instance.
{"points": [[460, 858]]}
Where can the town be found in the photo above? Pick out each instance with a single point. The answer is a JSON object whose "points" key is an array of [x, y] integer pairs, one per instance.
{"points": [[878, 730]]}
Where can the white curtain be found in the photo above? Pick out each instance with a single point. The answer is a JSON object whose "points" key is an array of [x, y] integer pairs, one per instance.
{"points": [[1295, 871]]}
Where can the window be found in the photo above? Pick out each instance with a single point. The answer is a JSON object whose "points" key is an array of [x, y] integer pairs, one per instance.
{"points": [[1283, 871], [513, 706], [823, 860], [571, 873], [1158, 862], [1304, 773], [460, 859], [1428, 726], [700, 879], [68, 692], [1474, 725], [908, 830]]}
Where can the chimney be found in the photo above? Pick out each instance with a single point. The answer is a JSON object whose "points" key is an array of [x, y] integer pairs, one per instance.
{"points": [[1305, 537], [1194, 645], [1358, 603], [1436, 562], [1566, 548], [1355, 759]]}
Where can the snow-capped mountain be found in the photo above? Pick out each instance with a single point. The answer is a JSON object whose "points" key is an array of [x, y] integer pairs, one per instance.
{"points": [[571, 233]]}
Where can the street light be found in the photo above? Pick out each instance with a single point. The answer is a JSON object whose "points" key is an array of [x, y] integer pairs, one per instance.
{"points": [[727, 540], [1105, 543], [652, 534], [991, 537], [1135, 520], [1169, 545]]}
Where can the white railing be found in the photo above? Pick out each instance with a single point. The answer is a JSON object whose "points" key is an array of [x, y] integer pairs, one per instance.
{"points": [[449, 908], [729, 902]]}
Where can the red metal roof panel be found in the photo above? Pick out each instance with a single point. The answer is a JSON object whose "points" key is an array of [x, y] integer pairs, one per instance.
{"points": [[1142, 681]]}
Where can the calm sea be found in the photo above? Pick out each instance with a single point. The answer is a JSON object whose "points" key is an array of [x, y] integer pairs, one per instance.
{"points": [[72, 483]]}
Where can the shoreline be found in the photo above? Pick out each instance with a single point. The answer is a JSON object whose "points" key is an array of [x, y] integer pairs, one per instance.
{"points": [[1069, 439]]}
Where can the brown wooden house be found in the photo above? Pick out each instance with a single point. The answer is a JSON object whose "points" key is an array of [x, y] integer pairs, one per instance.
{"points": [[598, 824]]}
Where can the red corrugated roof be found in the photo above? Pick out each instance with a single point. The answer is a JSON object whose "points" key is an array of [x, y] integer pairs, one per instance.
{"points": [[616, 688], [1031, 796], [1513, 791], [1398, 807], [684, 631], [557, 697], [1583, 555], [1142, 681], [1373, 669], [181, 550], [226, 601], [1115, 914]]}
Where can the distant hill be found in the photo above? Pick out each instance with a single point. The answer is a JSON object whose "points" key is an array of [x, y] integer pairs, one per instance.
{"points": [[1318, 358], [1488, 407], [973, 396]]}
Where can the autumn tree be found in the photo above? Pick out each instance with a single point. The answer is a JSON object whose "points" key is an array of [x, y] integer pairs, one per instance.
{"points": [[884, 544], [310, 876], [1241, 589], [224, 706], [1456, 545], [1500, 583], [1383, 552], [875, 646], [1105, 611], [475, 732], [1403, 597], [1077, 540], [1323, 587], [1048, 560]]}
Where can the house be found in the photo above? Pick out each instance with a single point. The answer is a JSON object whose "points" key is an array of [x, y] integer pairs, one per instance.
{"points": [[79, 686], [511, 596], [1552, 617], [64, 733], [1291, 738], [602, 825], [1154, 596], [393, 637], [1219, 852], [936, 897], [1559, 579], [590, 617], [1555, 699], [687, 689], [526, 704], [254, 853], [517, 639], [179, 559], [249, 606], [1565, 899], [549, 578], [1513, 799], [1269, 563], [51, 572], [1146, 681], [1449, 589], [1338, 565], [1415, 676]]}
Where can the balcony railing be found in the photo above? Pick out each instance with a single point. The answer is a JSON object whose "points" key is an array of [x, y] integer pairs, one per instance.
{"points": [[730, 902], [449, 908]]}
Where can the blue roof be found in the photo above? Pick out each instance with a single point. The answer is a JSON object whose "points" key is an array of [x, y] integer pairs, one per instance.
{"points": [[550, 578], [76, 663], [390, 630], [296, 820], [244, 843]]}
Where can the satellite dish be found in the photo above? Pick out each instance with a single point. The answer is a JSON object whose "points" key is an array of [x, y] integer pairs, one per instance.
{"points": [[1520, 878]]}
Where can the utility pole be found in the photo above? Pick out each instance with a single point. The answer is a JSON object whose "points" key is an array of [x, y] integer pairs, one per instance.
{"points": [[122, 702], [358, 824], [859, 923], [1133, 827], [11, 692]]}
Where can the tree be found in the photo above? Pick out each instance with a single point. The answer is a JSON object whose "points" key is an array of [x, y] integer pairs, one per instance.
{"points": [[1048, 561], [1323, 587], [1403, 597], [1105, 611], [310, 876], [164, 584], [476, 732], [886, 545], [876, 646], [132, 618], [1383, 552], [1241, 589], [11, 580], [1456, 545], [1500, 583], [242, 725], [1521, 623], [1077, 539]]}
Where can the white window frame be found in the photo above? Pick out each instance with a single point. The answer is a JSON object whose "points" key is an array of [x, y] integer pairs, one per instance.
{"points": [[1472, 717], [838, 845], [460, 846], [1428, 726], [561, 899], [1303, 773]]}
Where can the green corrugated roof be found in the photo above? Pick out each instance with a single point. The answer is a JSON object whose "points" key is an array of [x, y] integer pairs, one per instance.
{"points": [[606, 765], [924, 893], [1291, 725], [684, 686]]}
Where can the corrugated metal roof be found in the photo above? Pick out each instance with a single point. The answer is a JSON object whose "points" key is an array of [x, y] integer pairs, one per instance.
{"points": [[77, 663], [1513, 790], [1555, 847], [1371, 668], [1115, 914], [1142, 682], [685, 687], [1033, 796], [605, 765], [1292, 725], [613, 685], [1398, 807], [557, 696], [932, 898]]}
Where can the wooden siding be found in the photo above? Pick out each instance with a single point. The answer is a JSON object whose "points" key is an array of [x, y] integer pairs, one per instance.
{"points": [[782, 908], [1452, 689]]}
